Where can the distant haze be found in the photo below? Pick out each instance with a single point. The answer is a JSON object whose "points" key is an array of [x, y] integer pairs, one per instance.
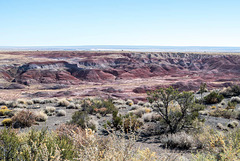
{"points": [[124, 48]]}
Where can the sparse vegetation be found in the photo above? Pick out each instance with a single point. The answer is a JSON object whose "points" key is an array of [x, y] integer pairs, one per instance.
{"points": [[213, 98], [41, 116], [23, 118], [61, 113]]}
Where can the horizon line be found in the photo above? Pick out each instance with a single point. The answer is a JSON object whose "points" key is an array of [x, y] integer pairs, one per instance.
{"points": [[114, 45]]}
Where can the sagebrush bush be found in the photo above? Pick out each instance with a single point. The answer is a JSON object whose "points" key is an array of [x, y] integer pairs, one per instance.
{"points": [[36, 100], [235, 99], [140, 111], [71, 106], [29, 102], [151, 117], [220, 112], [23, 118], [222, 127], [233, 124], [21, 101], [179, 140], [233, 90], [49, 109], [63, 102], [61, 113], [41, 116]]}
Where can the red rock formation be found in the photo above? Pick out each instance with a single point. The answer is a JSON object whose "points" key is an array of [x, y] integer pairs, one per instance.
{"points": [[183, 71]]}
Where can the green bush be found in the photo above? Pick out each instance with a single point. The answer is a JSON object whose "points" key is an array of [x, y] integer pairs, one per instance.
{"points": [[80, 118], [98, 106], [178, 110], [117, 120], [213, 98], [9, 144]]}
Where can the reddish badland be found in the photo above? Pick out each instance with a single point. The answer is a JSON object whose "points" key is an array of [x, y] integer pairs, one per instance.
{"points": [[111, 74]]}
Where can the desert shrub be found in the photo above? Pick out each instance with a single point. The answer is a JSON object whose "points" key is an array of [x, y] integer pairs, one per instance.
{"points": [[39, 145], [98, 106], [129, 102], [61, 113], [20, 106], [134, 107], [179, 140], [233, 124], [23, 118], [4, 112], [220, 112], [140, 103], [231, 105], [41, 116], [213, 98], [67, 151], [74, 133], [151, 117], [49, 109], [7, 122], [131, 123], [117, 120], [176, 116], [11, 104], [140, 111], [21, 101], [92, 124], [80, 118], [71, 106], [4, 107], [9, 144], [29, 102], [36, 100], [202, 89], [2, 102], [233, 90], [69, 143], [222, 127], [118, 102], [112, 148], [63, 102], [146, 155], [223, 147], [78, 106], [235, 99]]}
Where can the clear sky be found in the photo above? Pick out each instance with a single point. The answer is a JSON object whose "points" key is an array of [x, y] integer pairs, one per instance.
{"points": [[119, 22]]}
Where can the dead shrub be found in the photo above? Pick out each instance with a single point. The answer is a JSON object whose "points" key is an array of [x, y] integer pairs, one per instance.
{"points": [[23, 118]]}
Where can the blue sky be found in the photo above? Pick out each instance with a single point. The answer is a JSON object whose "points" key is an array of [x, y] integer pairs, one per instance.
{"points": [[120, 22]]}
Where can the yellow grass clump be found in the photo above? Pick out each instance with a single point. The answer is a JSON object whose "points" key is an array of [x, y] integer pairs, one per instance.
{"points": [[7, 122]]}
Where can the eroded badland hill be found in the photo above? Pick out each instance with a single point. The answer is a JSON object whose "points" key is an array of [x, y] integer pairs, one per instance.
{"points": [[115, 74]]}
